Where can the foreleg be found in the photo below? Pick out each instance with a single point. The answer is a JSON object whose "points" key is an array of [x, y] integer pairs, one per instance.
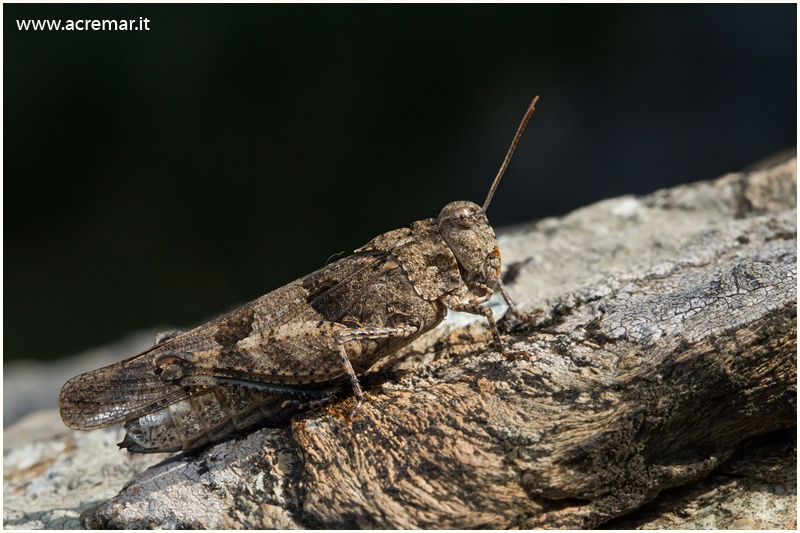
{"points": [[513, 308], [485, 311]]}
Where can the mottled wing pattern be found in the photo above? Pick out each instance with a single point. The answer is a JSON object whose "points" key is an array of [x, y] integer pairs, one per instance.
{"points": [[115, 393], [286, 355], [131, 388]]}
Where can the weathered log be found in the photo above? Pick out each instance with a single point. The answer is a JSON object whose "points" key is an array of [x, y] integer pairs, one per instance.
{"points": [[668, 339]]}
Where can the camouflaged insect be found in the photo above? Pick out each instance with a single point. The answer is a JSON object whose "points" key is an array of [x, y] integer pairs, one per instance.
{"points": [[307, 338]]}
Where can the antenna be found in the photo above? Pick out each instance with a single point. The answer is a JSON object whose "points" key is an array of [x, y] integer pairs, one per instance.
{"points": [[520, 129]]}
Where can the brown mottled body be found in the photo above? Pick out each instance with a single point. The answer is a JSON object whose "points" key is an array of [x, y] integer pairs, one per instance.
{"points": [[265, 352], [301, 339]]}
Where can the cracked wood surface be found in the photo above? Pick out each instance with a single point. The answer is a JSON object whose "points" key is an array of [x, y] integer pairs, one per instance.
{"points": [[668, 342]]}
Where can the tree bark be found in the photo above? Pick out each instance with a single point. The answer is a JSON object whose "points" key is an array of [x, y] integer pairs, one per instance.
{"points": [[667, 342]]}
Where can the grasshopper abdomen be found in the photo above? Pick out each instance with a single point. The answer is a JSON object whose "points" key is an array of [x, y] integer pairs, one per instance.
{"points": [[206, 416]]}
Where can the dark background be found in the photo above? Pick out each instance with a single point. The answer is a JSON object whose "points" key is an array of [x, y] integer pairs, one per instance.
{"points": [[162, 177]]}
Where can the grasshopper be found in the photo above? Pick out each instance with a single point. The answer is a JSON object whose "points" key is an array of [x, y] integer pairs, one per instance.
{"points": [[306, 339]]}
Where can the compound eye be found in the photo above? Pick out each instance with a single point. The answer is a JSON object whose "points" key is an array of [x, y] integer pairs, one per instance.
{"points": [[463, 218]]}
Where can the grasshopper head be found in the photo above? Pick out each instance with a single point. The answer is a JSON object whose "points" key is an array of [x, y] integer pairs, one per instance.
{"points": [[467, 232]]}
